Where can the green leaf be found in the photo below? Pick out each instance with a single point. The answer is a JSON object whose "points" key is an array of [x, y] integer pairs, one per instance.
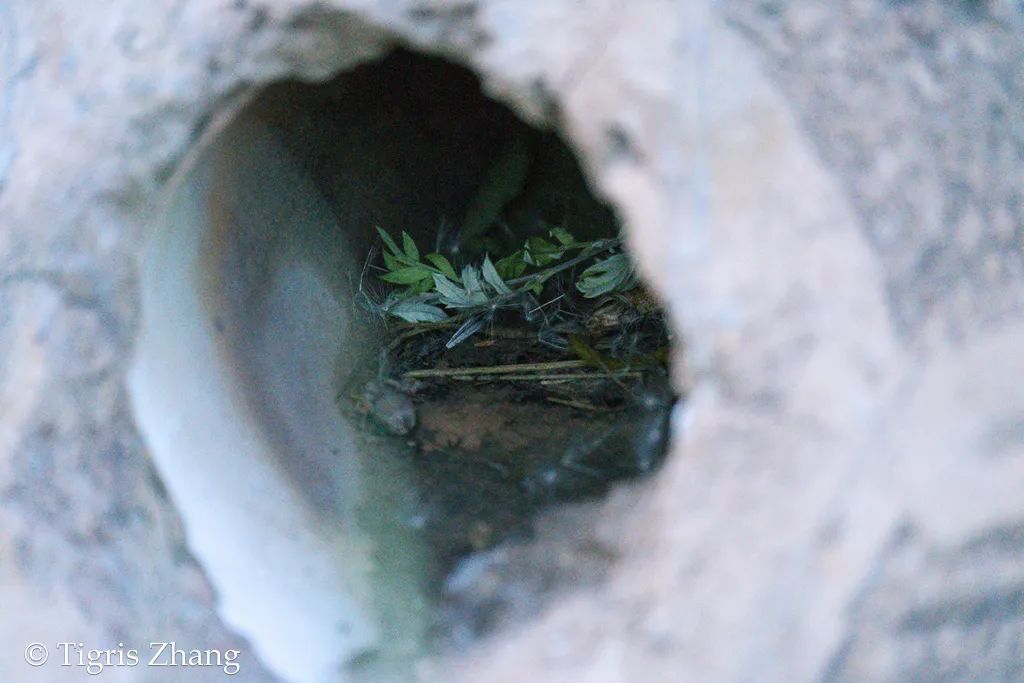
{"points": [[540, 252], [454, 296], [563, 236], [388, 242], [540, 245], [612, 274], [447, 288], [403, 261], [444, 265], [471, 280], [391, 262], [511, 266], [410, 247], [417, 312], [492, 277], [423, 286], [407, 276]]}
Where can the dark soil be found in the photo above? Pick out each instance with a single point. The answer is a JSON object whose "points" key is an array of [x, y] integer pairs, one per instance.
{"points": [[491, 451]]}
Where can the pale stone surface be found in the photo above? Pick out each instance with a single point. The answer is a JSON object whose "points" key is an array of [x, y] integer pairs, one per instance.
{"points": [[827, 196]]}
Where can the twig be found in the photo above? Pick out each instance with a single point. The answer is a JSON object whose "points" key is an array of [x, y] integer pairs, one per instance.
{"points": [[560, 296], [495, 369], [581, 405], [540, 377], [591, 375]]}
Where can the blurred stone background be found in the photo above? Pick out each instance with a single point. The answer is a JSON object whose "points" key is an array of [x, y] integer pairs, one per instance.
{"points": [[828, 196]]}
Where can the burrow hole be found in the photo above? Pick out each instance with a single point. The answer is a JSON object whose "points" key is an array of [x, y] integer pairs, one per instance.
{"points": [[268, 362]]}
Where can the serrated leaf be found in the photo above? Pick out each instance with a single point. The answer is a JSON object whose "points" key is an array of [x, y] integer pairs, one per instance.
{"points": [[614, 273], [563, 236], [417, 312], [541, 245], [492, 277], [541, 252], [407, 276], [388, 242], [410, 247], [511, 266], [447, 288], [471, 280], [444, 265], [405, 261], [454, 296], [391, 262], [423, 286]]}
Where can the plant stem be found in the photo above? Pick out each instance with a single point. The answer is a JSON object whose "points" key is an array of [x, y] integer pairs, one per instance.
{"points": [[580, 405], [495, 369], [593, 248], [543, 378]]}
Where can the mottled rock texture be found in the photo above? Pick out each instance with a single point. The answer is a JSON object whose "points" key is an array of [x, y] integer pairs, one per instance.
{"points": [[829, 197]]}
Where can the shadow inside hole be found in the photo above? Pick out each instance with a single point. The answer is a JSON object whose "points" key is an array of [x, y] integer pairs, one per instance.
{"points": [[404, 144]]}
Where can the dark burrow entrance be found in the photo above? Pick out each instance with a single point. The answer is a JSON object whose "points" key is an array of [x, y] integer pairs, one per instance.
{"points": [[529, 398], [433, 330]]}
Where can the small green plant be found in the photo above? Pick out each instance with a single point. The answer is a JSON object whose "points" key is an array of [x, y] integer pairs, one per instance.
{"points": [[613, 274], [428, 289]]}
